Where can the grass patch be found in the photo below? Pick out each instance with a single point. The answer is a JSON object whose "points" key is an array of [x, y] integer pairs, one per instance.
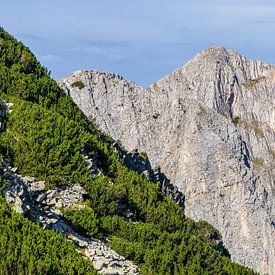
{"points": [[258, 162], [251, 83], [253, 125], [201, 111]]}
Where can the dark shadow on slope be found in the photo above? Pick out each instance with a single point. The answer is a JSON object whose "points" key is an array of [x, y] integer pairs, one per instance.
{"points": [[140, 163]]}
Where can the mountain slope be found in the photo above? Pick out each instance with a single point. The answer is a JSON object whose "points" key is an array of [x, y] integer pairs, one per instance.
{"points": [[46, 136], [209, 127]]}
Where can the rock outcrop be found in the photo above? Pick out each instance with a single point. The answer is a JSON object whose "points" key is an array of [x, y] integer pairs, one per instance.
{"points": [[4, 108], [43, 206], [2, 114], [209, 127]]}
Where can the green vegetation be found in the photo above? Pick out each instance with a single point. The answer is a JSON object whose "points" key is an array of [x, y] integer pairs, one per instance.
{"points": [[258, 162], [201, 111], [159, 249], [251, 83], [45, 144], [144, 154], [78, 84], [46, 135], [253, 125], [25, 248], [236, 120]]}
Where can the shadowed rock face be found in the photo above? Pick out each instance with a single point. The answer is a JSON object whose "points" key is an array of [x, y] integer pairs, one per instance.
{"points": [[210, 127]]}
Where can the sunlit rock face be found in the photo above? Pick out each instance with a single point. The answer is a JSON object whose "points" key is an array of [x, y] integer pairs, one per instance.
{"points": [[210, 127]]}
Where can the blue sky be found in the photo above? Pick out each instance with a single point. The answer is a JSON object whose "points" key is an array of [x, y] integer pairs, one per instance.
{"points": [[142, 40]]}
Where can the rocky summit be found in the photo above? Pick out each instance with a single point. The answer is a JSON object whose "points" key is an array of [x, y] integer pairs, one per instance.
{"points": [[209, 127]]}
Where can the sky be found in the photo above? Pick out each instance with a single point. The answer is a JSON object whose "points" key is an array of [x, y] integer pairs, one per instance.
{"points": [[142, 40]]}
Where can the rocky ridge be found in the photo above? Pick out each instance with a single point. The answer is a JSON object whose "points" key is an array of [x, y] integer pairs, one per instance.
{"points": [[209, 127], [43, 206]]}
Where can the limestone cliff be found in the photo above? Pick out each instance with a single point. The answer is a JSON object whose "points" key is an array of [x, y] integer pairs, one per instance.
{"points": [[210, 127]]}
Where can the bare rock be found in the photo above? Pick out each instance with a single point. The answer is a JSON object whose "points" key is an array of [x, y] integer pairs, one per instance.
{"points": [[209, 127], [29, 179], [24, 195], [17, 197], [37, 186]]}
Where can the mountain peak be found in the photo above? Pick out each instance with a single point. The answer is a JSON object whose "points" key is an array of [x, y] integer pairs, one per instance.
{"points": [[214, 50], [209, 127], [218, 55]]}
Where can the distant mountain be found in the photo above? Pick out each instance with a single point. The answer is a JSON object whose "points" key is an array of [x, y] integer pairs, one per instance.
{"points": [[209, 128], [70, 202]]}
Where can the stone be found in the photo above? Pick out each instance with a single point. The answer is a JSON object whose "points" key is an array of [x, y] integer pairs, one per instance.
{"points": [[115, 263], [99, 264], [17, 204], [38, 186], [209, 128], [40, 197], [29, 178], [79, 189], [51, 194], [53, 220], [17, 196], [24, 195]]}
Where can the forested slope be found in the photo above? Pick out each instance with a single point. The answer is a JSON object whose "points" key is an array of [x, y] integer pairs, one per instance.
{"points": [[45, 134], [25, 248]]}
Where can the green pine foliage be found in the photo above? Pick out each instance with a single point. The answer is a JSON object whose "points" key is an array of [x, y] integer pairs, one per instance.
{"points": [[78, 84], [45, 144], [45, 136], [25, 248]]}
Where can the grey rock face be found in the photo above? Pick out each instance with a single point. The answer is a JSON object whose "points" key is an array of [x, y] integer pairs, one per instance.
{"points": [[209, 126], [16, 196]]}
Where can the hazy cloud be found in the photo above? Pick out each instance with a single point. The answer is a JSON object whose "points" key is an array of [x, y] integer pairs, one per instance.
{"points": [[262, 22], [48, 58], [140, 39], [30, 36]]}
